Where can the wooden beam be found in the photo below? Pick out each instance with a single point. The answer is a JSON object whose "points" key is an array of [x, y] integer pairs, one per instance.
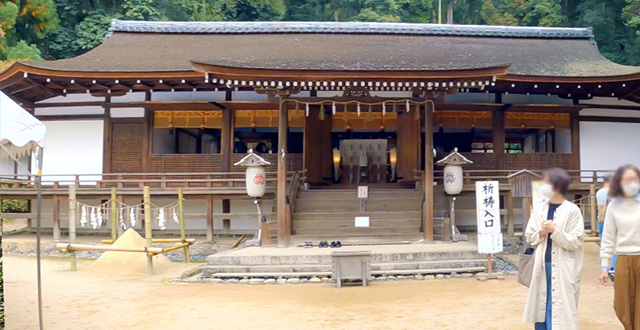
{"points": [[69, 117], [209, 219], [284, 228], [609, 119], [427, 224], [575, 140], [44, 87], [498, 120], [56, 218]]}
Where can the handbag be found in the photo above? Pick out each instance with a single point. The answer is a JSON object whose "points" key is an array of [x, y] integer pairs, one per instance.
{"points": [[525, 267]]}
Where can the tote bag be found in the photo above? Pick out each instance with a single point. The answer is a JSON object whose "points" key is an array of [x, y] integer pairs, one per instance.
{"points": [[525, 268]]}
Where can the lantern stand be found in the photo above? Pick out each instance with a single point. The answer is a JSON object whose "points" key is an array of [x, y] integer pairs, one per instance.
{"points": [[255, 181], [453, 184]]}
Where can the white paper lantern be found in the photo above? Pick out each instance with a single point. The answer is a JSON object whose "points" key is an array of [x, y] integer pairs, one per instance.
{"points": [[256, 181], [453, 179]]}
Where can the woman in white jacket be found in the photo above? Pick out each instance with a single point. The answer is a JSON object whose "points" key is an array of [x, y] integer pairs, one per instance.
{"points": [[555, 230]]}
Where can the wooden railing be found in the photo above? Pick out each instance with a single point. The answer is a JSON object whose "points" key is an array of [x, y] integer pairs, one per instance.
{"points": [[471, 176], [228, 181], [297, 179]]}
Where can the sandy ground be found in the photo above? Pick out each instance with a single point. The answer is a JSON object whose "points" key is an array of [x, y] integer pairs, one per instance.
{"points": [[82, 300]]}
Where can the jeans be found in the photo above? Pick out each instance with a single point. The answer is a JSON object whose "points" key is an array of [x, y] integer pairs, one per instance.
{"points": [[546, 325], [615, 256]]}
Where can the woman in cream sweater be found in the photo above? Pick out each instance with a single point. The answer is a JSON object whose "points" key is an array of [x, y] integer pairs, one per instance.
{"points": [[622, 233]]}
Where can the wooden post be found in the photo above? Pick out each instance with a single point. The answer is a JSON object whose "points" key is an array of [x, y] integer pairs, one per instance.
{"points": [[147, 227], [594, 209], [183, 236], [428, 173], [575, 140], [119, 229], [56, 217], [284, 231], [114, 226], [72, 224], [209, 218], [511, 219], [498, 138]]}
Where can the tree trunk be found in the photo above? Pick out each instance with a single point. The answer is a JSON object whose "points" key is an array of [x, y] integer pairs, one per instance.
{"points": [[450, 13]]}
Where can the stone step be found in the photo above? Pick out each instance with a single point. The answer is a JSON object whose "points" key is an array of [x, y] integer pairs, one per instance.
{"points": [[385, 205], [353, 193], [349, 222], [313, 258], [373, 230], [315, 268], [328, 274], [329, 215]]}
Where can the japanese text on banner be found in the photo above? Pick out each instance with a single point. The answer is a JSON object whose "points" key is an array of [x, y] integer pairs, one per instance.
{"points": [[488, 207]]}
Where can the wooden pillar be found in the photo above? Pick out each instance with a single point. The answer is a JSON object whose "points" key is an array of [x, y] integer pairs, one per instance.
{"points": [[226, 147], [147, 128], [56, 217], [575, 141], [209, 217], [317, 154], [408, 137], [428, 173], [284, 228], [106, 146], [510, 215], [497, 119]]}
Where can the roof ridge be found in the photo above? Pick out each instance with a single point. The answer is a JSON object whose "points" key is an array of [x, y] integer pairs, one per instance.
{"points": [[220, 27]]}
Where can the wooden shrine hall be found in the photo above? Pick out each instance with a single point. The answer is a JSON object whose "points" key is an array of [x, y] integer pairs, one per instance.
{"points": [[340, 104]]}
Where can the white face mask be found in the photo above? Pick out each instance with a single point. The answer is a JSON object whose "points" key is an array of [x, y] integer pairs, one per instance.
{"points": [[631, 189], [547, 191]]}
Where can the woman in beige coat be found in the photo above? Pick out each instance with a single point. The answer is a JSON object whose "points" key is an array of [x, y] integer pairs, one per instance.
{"points": [[555, 230]]}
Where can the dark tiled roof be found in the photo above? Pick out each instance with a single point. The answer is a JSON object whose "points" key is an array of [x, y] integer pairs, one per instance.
{"points": [[349, 28], [171, 46]]}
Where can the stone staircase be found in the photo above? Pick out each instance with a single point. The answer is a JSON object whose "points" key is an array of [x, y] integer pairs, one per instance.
{"points": [[329, 214], [316, 262]]}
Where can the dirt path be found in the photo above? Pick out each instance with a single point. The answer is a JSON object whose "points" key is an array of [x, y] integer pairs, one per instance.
{"points": [[83, 301]]}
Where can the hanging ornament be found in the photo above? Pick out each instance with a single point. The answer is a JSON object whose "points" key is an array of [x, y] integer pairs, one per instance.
{"points": [[99, 215], [132, 217], [333, 108], [407, 106], [394, 107], [370, 113], [347, 127], [253, 121], [382, 124], [161, 219], [175, 215], [171, 121], [306, 110], [358, 109], [94, 218], [83, 216], [321, 115], [417, 112], [203, 124], [121, 219], [384, 109]]}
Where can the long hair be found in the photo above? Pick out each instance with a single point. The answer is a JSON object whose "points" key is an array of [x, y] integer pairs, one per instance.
{"points": [[616, 182]]}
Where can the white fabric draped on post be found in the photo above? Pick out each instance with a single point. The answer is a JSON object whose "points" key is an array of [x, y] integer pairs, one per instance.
{"points": [[20, 132]]}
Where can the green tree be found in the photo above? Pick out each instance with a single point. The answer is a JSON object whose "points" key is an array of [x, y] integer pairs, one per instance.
{"points": [[24, 25], [256, 10]]}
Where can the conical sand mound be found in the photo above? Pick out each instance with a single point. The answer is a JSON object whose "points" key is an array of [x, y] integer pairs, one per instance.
{"points": [[134, 263]]}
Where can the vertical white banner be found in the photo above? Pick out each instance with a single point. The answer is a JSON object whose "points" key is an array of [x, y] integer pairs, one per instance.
{"points": [[488, 216]]}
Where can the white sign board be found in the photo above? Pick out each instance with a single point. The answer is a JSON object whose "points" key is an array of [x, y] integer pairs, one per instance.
{"points": [[536, 196], [490, 243], [363, 192], [362, 221], [488, 216]]}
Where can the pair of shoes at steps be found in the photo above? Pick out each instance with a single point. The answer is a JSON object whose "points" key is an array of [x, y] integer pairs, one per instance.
{"points": [[336, 244], [308, 244], [323, 244]]}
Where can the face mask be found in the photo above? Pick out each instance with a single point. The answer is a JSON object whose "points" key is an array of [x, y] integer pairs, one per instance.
{"points": [[631, 189], [546, 191]]}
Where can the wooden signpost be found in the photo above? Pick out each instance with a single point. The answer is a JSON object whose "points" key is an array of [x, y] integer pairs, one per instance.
{"points": [[489, 228]]}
